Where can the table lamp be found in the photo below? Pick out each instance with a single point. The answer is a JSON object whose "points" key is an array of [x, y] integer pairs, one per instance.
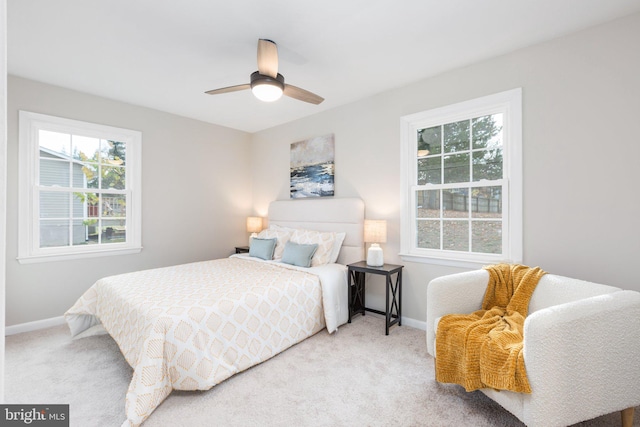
{"points": [[254, 226], [375, 231]]}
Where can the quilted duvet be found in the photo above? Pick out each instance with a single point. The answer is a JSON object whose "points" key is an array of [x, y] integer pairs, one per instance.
{"points": [[192, 326]]}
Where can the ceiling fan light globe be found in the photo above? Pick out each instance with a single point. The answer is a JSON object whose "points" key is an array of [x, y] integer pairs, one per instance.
{"points": [[267, 92], [266, 88]]}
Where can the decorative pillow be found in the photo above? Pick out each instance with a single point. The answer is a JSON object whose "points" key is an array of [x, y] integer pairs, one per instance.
{"points": [[282, 237], [262, 248], [336, 246], [324, 240], [298, 254]]}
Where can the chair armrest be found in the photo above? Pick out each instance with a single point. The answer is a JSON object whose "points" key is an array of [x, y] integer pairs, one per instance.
{"points": [[460, 293], [582, 358]]}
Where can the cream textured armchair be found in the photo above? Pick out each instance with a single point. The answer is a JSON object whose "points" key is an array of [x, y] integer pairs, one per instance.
{"points": [[581, 346]]}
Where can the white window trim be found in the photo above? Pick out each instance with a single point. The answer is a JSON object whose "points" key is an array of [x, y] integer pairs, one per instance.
{"points": [[510, 104], [28, 222]]}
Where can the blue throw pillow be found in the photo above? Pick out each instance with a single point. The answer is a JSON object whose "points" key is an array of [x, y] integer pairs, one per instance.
{"points": [[262, 248], [298, 254]]}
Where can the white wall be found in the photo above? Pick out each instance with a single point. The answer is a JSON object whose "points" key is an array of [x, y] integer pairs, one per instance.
{"points": [[196, 196], [581, 104], [3, 178]]}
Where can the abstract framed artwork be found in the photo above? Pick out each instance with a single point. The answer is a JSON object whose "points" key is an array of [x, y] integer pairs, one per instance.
{"points": [[312, 167]]}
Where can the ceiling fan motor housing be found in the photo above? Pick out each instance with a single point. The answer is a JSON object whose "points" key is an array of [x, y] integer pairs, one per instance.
{"points": [[261, 79]]}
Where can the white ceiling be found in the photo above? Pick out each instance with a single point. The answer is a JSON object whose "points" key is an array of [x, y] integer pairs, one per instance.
{"points": [[164, 54]]}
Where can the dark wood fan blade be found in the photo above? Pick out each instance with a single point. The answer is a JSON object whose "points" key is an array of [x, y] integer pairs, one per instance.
{"points": [[267, 58], [228, 89], [302, 95]]}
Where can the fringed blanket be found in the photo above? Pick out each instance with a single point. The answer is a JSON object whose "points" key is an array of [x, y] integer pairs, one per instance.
{"points": [[484, 349]]}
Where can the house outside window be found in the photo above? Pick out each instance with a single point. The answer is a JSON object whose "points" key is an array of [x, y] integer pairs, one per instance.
{"points": [[79, 189], [462, 182]]}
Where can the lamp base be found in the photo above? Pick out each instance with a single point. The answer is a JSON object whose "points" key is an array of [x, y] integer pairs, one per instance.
{"points": [[375, 258]]}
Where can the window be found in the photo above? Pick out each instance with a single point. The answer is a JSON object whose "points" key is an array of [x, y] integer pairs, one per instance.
{"points": [[79, 189], [462, 182]]}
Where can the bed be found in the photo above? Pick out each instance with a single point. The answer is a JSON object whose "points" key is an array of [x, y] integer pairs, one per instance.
{"points": [[192, 326]]}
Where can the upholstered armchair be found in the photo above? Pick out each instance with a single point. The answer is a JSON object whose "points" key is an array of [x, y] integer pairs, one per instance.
{"points": [[581, 346]]}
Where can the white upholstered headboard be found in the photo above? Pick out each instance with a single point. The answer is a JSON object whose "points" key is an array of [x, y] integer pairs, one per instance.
{"points": [[325, 214]]}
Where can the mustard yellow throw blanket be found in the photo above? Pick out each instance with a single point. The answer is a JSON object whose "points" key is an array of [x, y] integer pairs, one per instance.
{"points": [[484, 349]]}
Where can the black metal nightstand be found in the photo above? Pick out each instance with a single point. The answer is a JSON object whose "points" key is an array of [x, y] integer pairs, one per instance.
{"points": [[242, 249], [393, 309]]}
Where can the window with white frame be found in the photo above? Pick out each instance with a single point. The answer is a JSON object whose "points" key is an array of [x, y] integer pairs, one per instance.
{"points": [[462, 182], [79, 189]]}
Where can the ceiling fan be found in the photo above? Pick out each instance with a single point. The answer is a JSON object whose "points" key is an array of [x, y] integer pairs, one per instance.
{"points": [[266, 83]]}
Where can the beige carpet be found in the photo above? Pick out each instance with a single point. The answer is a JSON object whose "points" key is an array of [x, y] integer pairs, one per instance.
{"points": [[357, 377]]}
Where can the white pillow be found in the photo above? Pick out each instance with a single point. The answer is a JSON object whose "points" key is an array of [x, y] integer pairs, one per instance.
{"points": [[324, 240], [336, 247], [282, 237]]}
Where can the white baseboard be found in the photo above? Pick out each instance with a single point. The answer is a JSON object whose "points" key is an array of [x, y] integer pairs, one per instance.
{"points": [[406, 321], [418, 324], [34, 326]]}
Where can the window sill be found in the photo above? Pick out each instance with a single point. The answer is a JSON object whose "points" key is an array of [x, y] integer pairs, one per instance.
{"points": [[450, 262], [31, 259]]}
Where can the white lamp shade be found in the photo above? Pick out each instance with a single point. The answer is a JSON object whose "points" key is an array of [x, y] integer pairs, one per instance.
{"points": [[254, 224], [375, 230]]}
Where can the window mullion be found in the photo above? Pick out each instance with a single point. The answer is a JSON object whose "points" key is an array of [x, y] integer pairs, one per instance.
{"points": [[470, 150], [441, 194]]}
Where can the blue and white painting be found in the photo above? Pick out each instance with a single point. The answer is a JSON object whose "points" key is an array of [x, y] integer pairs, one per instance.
{"points": [[312, 167]]}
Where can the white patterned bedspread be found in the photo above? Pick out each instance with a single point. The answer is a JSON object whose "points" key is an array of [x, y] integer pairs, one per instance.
{"points": [[191, 326]]}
